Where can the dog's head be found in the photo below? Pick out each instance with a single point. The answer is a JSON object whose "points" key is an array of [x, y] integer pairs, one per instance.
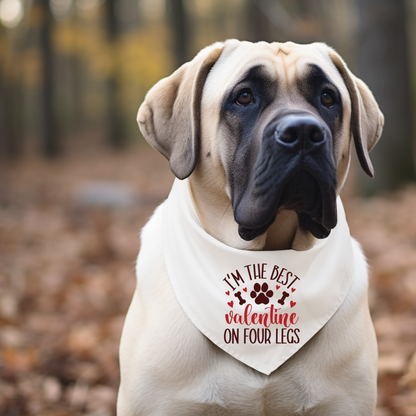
{"points": [[271, 123]]}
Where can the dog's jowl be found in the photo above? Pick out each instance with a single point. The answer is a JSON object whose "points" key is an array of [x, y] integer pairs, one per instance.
{"points": [[251, 295]]}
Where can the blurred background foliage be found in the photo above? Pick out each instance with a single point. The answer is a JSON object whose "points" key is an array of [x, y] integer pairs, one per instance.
{"points": [[75, 71]]}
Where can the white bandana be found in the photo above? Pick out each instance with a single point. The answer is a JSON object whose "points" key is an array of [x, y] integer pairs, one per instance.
{"points": [[261, 307]]}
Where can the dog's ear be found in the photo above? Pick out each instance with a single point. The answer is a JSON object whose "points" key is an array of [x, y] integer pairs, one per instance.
{"points": [[170, 116], [366, 118]]}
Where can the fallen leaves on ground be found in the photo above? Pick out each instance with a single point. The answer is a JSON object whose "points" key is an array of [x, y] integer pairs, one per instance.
{"points": [[67, 260], [386, 228]]}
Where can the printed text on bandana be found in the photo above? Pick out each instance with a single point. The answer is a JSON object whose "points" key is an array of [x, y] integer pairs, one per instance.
{"points": [[262, 306]]}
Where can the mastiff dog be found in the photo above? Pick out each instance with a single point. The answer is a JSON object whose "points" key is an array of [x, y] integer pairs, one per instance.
{"points": [[259, 137]]}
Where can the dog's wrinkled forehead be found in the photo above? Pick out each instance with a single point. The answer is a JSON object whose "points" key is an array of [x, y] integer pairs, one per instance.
{"points": [[286, 63]]}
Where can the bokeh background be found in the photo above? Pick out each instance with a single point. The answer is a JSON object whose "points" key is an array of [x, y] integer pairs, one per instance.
{"points": [[77, 180]]}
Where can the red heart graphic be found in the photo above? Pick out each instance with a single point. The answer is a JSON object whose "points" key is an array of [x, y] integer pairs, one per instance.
{"points": [[227, 293], [245, 289], [230, 303], [293, 289], [292, 304], [277, 287]]}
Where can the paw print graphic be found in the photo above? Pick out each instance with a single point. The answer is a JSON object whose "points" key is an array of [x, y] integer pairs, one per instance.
{"points": [[261, 294]]}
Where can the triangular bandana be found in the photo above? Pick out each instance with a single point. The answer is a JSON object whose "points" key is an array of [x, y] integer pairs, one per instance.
{"points": [[260, 307]]}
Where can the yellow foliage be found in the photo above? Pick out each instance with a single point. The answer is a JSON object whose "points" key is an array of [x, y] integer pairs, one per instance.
{"points": [[136, 60], [144, 57], [63, 37]]}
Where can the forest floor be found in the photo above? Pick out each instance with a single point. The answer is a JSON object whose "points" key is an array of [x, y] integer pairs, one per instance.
{"points": [[69, 236]]}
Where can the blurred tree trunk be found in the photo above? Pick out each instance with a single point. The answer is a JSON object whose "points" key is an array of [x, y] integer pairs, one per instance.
{"points": [[3, 131], [180, 29], [8, 127], [117, 137], [270, 21], [75, 91], [383, 63], [50, 141], [11, 118], [258, 22]]}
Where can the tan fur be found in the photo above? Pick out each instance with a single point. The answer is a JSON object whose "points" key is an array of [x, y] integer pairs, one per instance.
{"points": [[182, 373]]}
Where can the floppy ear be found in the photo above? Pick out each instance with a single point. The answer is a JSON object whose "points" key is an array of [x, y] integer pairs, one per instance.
{"points": [[170, 116], [366, 118]]}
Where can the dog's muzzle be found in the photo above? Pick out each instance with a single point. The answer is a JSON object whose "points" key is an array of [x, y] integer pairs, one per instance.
{"points": [[295, 170]]}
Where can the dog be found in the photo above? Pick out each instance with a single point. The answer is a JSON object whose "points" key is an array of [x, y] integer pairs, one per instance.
{"points": [[263, 132]]}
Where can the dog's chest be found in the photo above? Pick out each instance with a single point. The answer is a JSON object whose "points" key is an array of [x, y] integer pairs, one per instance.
{"points": [[196, 377], [192, 373], [192, 376]]}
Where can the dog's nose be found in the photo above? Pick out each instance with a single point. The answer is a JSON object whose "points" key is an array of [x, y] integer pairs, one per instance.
{"points": [[299, 131]]}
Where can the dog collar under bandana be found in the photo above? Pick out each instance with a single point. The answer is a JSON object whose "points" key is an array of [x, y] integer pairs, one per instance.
{"points": [[260, 307]]}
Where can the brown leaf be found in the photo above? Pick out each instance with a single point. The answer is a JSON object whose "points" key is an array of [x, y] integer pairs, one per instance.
{"points": [[19, 359]]}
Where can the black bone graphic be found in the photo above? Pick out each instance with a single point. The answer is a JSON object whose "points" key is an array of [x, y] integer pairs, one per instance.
{"points": [[240, 299], [282, 300]]}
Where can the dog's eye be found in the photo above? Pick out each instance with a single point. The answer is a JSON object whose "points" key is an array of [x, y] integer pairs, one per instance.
{"points": [[327, 99], [245, 98]]}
